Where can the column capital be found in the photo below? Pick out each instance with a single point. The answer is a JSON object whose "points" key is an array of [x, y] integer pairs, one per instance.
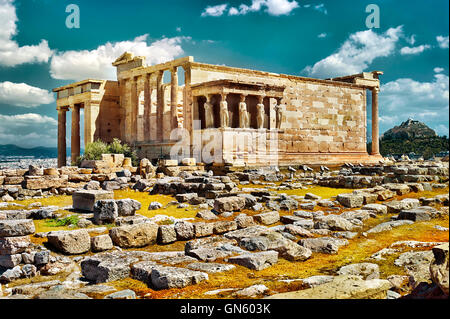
{"points": [[376, 89], [64, 108]]}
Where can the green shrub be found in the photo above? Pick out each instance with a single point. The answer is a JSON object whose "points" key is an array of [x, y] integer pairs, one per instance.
{"points": [[95, 150]]}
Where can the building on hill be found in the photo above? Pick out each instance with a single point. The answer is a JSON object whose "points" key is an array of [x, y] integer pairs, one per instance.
{"points": [[246, 117], [409, 129]]}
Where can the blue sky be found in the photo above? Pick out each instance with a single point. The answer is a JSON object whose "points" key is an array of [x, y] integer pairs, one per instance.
{"points": [[308, 38]]}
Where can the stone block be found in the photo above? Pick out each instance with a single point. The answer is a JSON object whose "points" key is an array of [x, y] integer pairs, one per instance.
{"points": [[46, 181], [168, 163], [17, 227], [85, 199], [10, 261], [221, 227], [101, 243], [342, 287], [138, 235], [173, 277], [127, 206], [167, 234], [256, 261], [350, 200], [268, 218], [70, 241], [107, 267], [203, 229], [14, 245], [105, 211], [189, 161], [439, 267], [184, 230], [227, 204]]}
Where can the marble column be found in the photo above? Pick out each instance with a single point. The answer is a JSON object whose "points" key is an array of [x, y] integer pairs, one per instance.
{"points": [[375, 128], [134, 110], [147, 106], [62, 137], [188, 101], [174, 97], [127, 108], [159, 106], [75, 133], [91, 113]]}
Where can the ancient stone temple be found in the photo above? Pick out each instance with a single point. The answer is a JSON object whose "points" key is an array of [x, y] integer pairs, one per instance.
{"points": [[246, 117]]}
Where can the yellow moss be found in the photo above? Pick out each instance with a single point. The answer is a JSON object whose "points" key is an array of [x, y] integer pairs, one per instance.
{"points": [[40, 278], [324, 192], [59, 200]]}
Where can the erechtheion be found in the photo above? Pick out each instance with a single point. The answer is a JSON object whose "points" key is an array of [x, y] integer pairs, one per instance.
{"points": [[258, 116]]}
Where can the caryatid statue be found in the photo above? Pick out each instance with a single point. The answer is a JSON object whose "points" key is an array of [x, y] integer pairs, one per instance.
{"points": [[279, 109], [244, 119], [209, 117], [224, 116], [260, 113]]}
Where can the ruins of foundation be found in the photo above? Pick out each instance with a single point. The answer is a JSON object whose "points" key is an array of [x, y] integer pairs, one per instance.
{"points": [[253, 117]]}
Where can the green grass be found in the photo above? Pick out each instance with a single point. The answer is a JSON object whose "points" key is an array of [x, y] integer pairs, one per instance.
{"points": [[67, 221]]}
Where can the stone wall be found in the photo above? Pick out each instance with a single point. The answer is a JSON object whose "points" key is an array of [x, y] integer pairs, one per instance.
{"points": [[320, 117]]}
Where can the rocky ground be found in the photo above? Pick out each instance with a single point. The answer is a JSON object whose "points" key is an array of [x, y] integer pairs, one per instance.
{"points": [[350, 232]]}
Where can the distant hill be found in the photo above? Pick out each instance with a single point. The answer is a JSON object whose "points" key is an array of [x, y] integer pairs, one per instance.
{"points": [[39, 151], [409, 129], [412, 137]]}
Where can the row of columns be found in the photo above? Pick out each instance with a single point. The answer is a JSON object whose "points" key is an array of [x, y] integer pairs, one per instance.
{"points": [[91, 112], [147, 83], [244, 114]]}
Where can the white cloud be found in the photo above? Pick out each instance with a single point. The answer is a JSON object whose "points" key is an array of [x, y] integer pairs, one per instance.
{"points": [[322, 35], [424, 101], [28, 130], [356, 53], [214, 11], [78, 65], [272, 7], [11, 54], [411, 40], [438, 70], [21, 94], [443, 42], [414, 50], [280, 7], [321, 8]]}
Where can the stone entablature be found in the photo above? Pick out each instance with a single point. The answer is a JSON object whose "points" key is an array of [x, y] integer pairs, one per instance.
{"points": [[314, 119]]}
